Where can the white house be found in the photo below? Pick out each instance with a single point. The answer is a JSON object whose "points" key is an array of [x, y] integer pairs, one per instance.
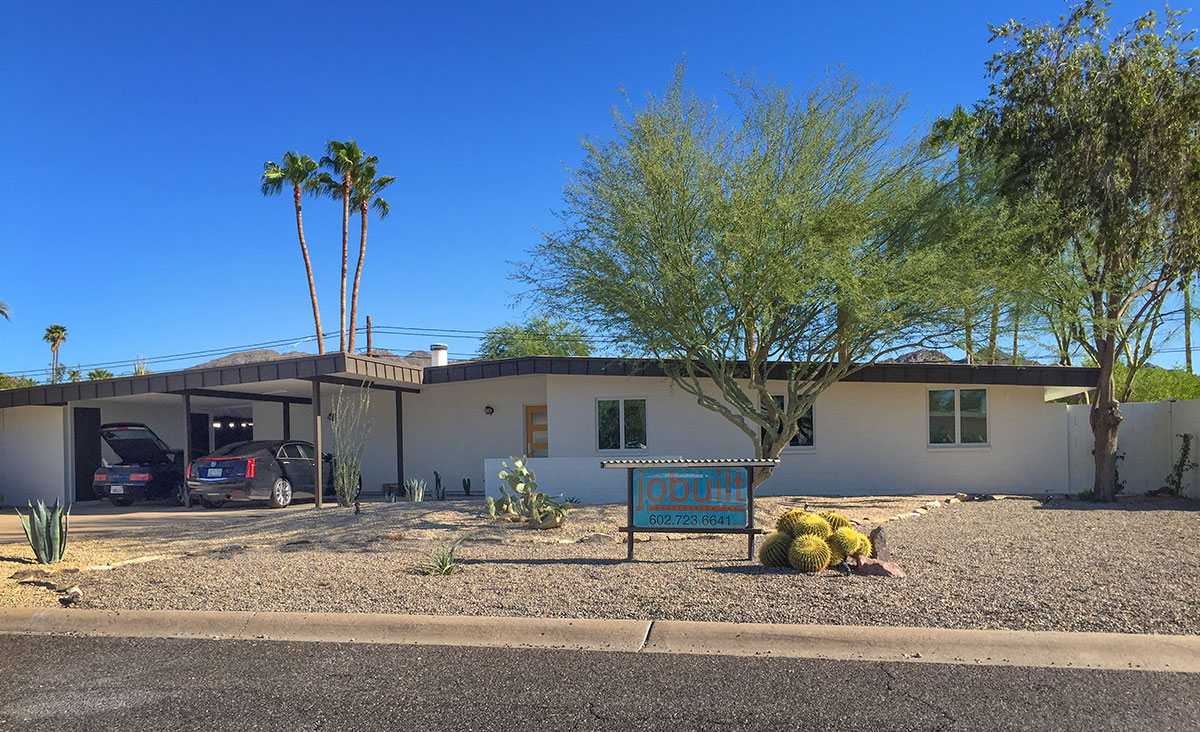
{"points": [[889, 428]]}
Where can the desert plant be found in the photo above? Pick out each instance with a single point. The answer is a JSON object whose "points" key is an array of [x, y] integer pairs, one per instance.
{"points": [[525, 501], [46, 530], [415, 488], [811, 525], [836, 520], [865, 547], [774, 550], [443, 561], [809, 553], [787, 522], [1182, 465], [843, 542], [467, 486], [351, 427], [439, 490]]}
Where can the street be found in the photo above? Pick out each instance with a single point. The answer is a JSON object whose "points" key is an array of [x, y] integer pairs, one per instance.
{"points": [[61, 683]]}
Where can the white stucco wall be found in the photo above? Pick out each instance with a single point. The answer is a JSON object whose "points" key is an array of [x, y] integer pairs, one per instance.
{"points": [[33, 454], [447, 430]]}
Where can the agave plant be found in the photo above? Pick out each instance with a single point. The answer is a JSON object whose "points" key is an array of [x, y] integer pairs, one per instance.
{"points": [[416, 489], [46, 529]]}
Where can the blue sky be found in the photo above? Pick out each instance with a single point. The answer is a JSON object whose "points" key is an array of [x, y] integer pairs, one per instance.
{"points": [[130, 210]]}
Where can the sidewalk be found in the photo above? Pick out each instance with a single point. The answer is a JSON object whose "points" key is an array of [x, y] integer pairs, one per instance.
{"points": [[861, 643]]}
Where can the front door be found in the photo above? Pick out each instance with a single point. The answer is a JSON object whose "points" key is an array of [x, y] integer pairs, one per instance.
{"points": [[87, 450], [537, 439]]}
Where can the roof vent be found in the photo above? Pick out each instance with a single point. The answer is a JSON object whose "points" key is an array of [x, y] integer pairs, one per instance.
{"points": [[438, 350]]}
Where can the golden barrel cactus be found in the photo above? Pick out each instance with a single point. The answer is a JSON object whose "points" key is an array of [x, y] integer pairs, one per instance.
{"points": [[809, 553], [787, 522], [774, 550], [812, 525], [836, 520]]}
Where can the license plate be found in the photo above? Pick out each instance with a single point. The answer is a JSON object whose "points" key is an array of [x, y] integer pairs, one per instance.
{"points": [[214, 472], [116, 489]]}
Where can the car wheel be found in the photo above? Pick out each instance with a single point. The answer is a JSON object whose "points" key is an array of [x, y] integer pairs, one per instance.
{"points": [[122, 501], [281, 493], [178, 495], [211, 504]]}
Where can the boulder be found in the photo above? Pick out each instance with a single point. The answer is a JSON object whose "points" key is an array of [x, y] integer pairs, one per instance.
{"points": [[879, 544], [878, 568]]}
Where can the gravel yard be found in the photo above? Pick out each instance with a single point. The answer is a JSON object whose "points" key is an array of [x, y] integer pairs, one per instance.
{"points": [[1012, 563]]}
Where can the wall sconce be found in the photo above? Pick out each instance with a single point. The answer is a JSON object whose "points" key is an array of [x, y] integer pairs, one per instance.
{"points": [[488, 410]]}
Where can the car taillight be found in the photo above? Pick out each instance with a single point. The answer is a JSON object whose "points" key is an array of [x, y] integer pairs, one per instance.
{"points": [[189, 470], [250, 468], [99, 477], [141, 477]]}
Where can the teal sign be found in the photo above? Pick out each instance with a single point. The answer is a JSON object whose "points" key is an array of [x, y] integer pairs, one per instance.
{"points": [[681, 498]]}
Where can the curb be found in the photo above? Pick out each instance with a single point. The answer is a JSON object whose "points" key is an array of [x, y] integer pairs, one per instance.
{"points": [[1115, 651]]}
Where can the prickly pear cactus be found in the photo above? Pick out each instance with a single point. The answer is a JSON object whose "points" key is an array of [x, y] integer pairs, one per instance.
{"points": [[809, 553], [812, 525], [774, 550], [836, 520]]}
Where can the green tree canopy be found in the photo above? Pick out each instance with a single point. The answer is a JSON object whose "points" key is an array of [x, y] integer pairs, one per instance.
{"points": [[779, 242], [15, 382], [538, 336], [99, 374], [1102, 127]]}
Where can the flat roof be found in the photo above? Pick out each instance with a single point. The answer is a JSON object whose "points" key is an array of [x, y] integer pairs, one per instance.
{"points": [[333, 368], [923, 373]]}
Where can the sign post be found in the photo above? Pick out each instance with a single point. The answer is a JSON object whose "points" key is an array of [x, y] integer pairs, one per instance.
{"points": [[690, 497]]}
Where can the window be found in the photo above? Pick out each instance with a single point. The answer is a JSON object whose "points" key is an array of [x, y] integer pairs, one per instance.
{"points": [[958, 417], [621, 424], [803, 437]]}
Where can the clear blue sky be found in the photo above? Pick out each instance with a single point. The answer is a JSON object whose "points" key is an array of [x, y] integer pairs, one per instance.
{"points": [[129, 205]]}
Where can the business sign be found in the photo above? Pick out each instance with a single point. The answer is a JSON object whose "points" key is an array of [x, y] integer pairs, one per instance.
{"points": [[690, 498]]}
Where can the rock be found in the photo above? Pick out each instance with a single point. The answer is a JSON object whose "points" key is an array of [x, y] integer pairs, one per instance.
{"points": [[953, 499], [878, 568], [637, 538], [71, 596], [879, 545], [961, 496], [933, 504], [921, 511]]}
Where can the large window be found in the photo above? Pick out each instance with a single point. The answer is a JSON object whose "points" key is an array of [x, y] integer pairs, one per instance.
{"points": [[621, 424], [804, 437], [958, 417]]}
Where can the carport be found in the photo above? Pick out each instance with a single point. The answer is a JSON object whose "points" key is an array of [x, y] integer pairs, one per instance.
{"points": [[49, 434]]}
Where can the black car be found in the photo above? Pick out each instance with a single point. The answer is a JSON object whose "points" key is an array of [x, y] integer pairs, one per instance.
{"points": [[147, 469], [276, 471]]}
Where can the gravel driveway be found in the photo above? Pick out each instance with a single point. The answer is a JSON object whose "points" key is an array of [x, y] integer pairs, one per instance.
{"points": [[1013, 563]]}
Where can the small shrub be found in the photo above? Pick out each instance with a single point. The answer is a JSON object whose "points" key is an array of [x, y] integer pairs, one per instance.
{"points": [[1182, 465], [443, 561]]}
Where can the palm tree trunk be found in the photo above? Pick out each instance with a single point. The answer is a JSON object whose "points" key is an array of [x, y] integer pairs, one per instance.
{"points": [[312, 287], [362, 253], [345, 249]]}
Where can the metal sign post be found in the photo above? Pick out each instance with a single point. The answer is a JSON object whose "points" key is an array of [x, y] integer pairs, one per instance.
{"points": [[690, 497]]}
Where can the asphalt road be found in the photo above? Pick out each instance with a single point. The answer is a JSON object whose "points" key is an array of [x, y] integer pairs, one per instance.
{"points": [[64, 683]]}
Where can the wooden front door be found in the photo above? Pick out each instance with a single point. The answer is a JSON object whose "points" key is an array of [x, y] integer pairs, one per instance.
{"points": [[537, 438]]}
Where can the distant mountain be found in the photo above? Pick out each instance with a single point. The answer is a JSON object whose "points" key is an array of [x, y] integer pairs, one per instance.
{"points": [[923, 355], [415, 359]]}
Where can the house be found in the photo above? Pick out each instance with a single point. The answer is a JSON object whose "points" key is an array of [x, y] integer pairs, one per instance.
{"points": [[887, 428]]}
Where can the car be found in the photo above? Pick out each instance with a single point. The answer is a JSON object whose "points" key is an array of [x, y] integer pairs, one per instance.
{"points": [[276, 471], [148, 469]]}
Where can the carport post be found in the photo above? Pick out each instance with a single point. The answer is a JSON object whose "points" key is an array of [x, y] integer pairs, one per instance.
{"points": [[287, 420], [187, 447], [320, 456]]}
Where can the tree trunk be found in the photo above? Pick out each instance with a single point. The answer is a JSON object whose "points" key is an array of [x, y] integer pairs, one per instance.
{"points": [[1016, 334], [994, 334], [345, 251], [1187, 320], [312, 286], [1105, 418], [362, 253], [970, 341]]}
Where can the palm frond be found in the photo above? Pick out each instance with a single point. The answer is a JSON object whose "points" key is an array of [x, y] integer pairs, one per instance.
{"points": [[5, 310]]}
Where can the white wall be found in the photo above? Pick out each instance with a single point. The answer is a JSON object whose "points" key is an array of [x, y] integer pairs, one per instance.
{"points": [[33, 454], [1149, 440], [446, 429]]}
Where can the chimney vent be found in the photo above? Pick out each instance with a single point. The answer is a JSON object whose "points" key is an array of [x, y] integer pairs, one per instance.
{"points": [[438, 350]]}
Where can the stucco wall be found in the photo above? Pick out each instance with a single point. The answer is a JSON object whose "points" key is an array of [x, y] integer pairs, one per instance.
{"points": [[447, 430], [33, 454]]}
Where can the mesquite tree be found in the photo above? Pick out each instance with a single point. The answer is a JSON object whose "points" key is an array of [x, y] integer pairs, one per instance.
{"points": [[1103, 127], [776, 248]]}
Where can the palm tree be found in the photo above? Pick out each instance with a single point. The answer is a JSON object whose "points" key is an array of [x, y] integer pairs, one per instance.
{"points": [[99, 374], [366, 196], [55, 335], [75, 375], [300, 172], [343, 160], [5, 311]]}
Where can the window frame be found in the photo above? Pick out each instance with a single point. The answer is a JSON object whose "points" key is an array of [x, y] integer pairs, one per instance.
{"points": [[620, 400], [958, 444], [813, 412]]}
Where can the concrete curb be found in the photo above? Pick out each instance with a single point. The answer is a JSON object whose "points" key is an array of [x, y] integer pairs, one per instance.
{"points": [[843, 642]]}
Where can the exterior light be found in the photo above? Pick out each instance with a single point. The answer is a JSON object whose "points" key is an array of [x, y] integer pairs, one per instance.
{"points": [[488, 410], [231, 425], [216, 425]]}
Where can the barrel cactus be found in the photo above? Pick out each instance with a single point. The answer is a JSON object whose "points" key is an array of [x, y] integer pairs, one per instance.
{"points": [[787, 522], [843, 542], [809, 553], [836, 520], [812, 525], [774, 550], [865, 548]]}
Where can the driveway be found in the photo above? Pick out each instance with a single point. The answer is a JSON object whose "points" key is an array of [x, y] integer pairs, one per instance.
{"points": [[96, 519]]}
